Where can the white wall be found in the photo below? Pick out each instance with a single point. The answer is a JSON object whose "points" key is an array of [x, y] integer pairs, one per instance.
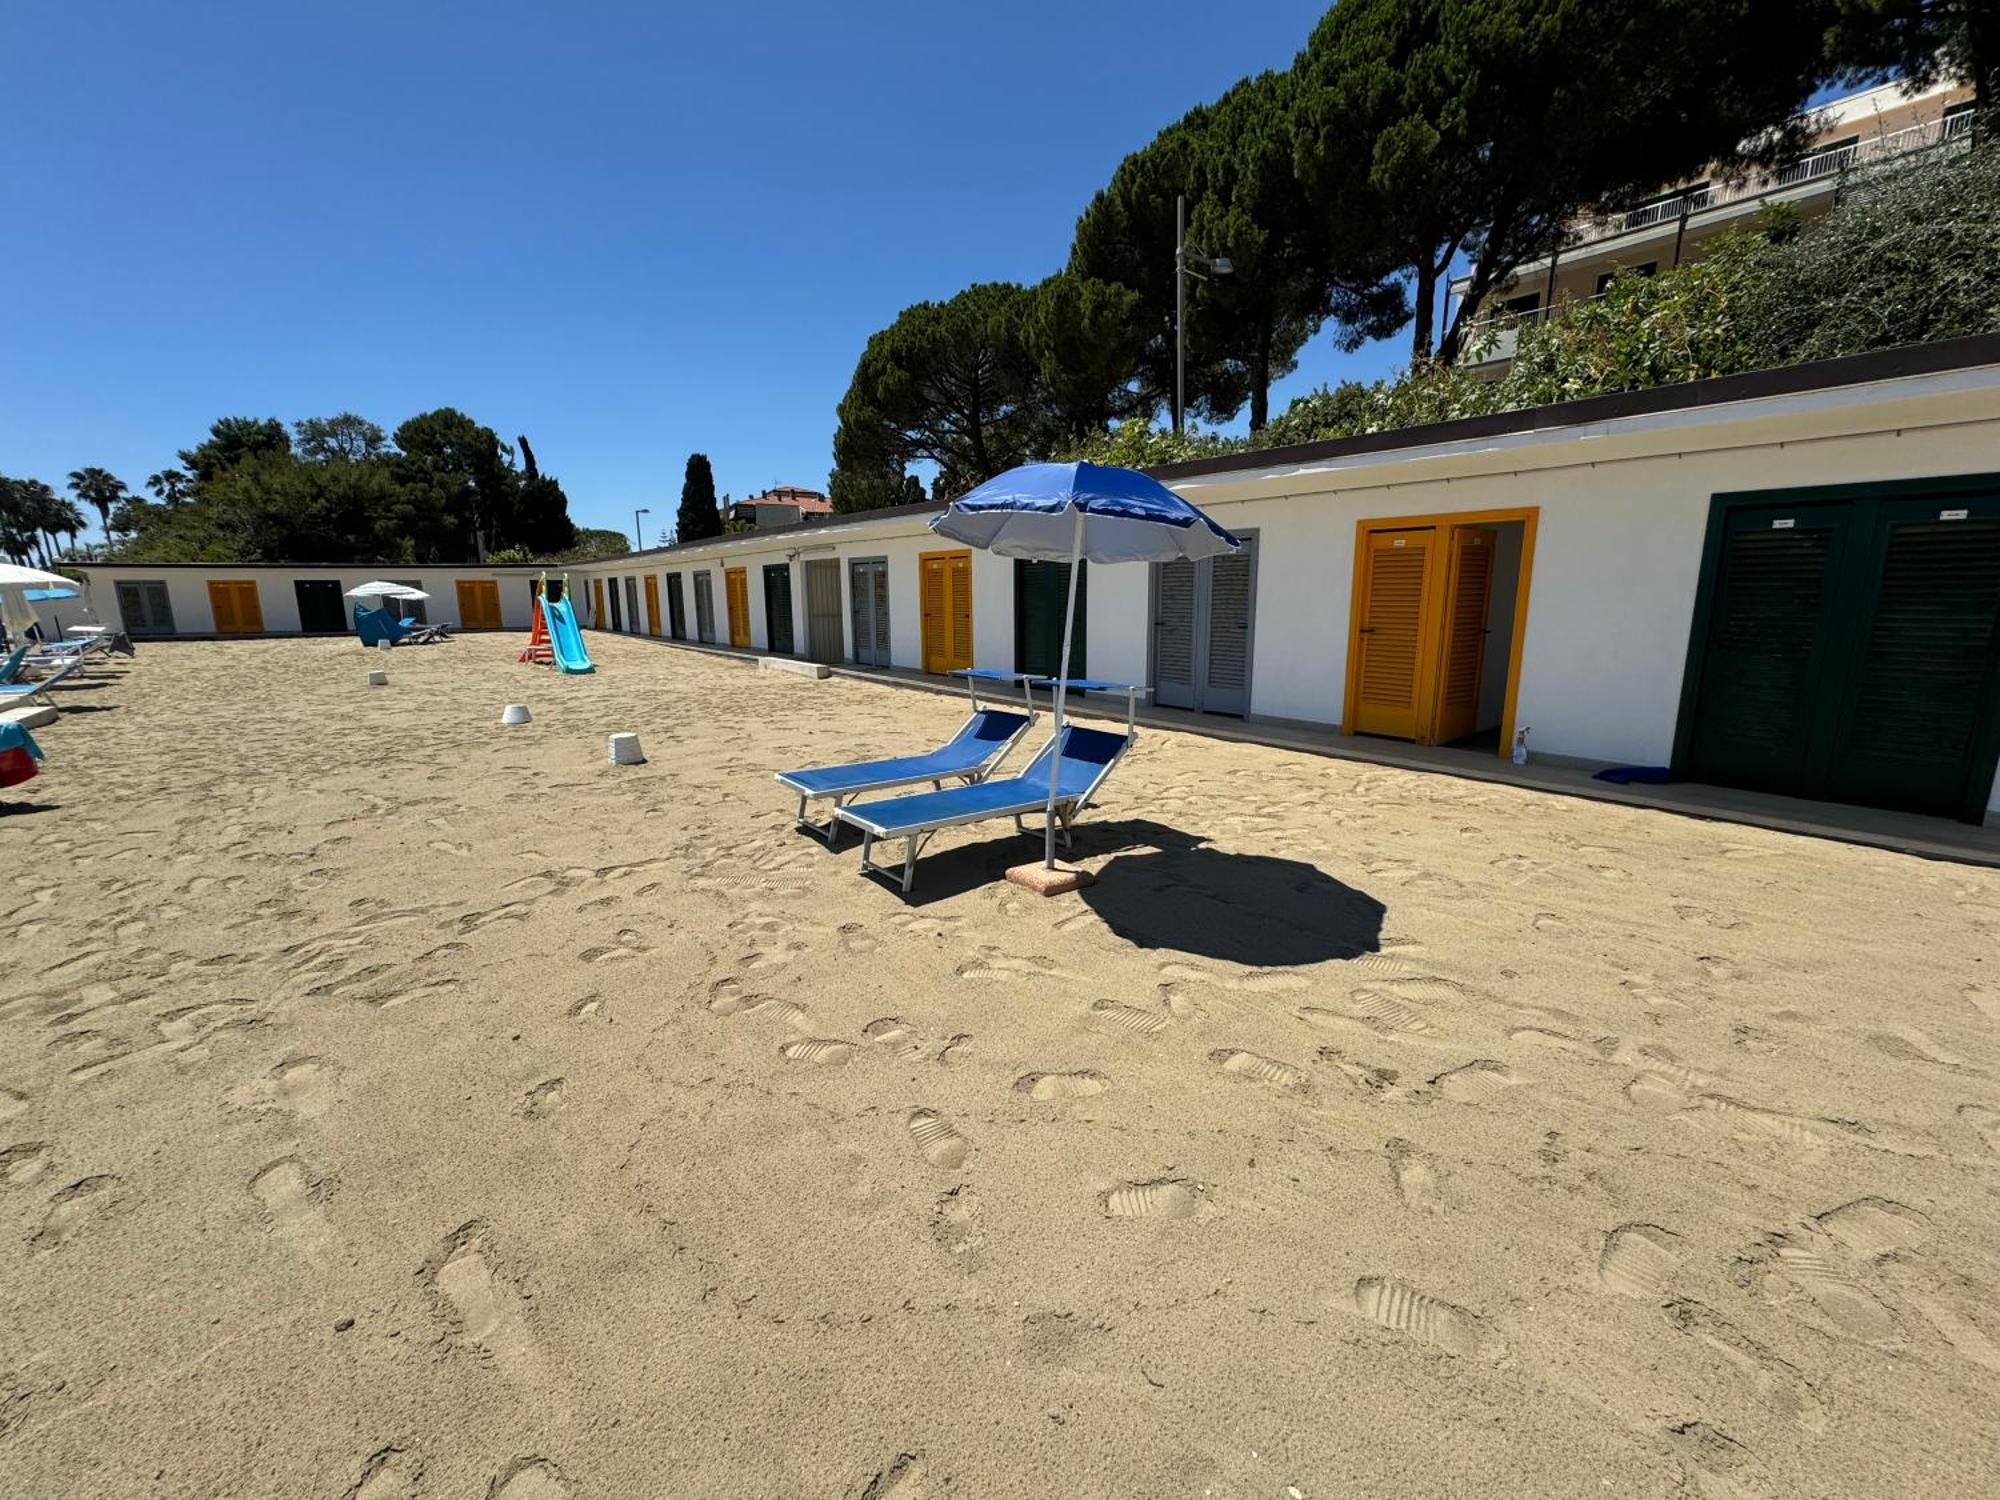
{"points": [[187, 591]]}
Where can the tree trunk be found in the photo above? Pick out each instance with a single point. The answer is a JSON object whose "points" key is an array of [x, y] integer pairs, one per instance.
{"points": [[1420, 338]]}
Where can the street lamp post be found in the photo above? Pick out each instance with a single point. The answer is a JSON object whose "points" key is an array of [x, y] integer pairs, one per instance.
{"points": [[1215, 265], [638, 541]]}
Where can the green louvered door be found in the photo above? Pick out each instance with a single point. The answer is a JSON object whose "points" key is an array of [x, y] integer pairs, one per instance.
{"points": [[1918, 714], [1847, 647], [1041, 597], [1773, 628]]}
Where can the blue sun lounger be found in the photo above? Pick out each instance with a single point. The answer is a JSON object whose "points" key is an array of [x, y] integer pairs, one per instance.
{"points": [[1088, 757], [971, 755], [24, 692]]}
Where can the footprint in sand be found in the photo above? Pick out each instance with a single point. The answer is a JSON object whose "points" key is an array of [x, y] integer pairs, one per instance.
{"points": [[1873, 1227], [1127, 1018], [1379, 1012], [1637, 1260], [291, 1200], [627, 944], [587, 1008], [528, 1479], [818, 1051], [25, 1164], [895, 1034], [1476, 1082], [72, 1209], [1415, 1179], [1163, 1198], [855, 938], [1777, 1384], [905, 1479], [992, 964], [953, 1224], [1051, 1088], [544, 1099], [1400, 1307], [481, 1306], [1808, 1268], [1723, 1469], [1259, 1069], [941, 1145], [302, 1085], [389, 1474]]}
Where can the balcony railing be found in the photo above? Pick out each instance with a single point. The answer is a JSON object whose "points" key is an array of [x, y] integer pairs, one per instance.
{"points": [[1832, 162]]}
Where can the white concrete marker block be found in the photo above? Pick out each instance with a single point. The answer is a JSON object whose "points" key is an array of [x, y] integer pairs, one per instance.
{"points": [[514, 713], [385, 645], [377, 677], [624, 750], [794, 665]]}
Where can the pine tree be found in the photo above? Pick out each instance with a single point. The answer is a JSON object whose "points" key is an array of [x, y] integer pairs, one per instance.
{"points": [[699, 515]]}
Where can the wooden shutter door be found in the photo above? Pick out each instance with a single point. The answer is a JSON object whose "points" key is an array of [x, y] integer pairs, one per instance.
{"points": [[1395, 579], [222, 604], [1174, 634], [1468, 587], [1916, 728], [1225, 687], [1772, 632], [736, 582], [652, 604], [960, 570], [597, 602], [933, 584]]}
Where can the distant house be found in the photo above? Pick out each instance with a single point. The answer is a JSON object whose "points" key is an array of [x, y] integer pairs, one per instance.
{"points": [[1856, 131], [781, 505]]}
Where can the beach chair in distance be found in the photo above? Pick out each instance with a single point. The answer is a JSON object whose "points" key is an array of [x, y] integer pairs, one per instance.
{"points": [[26, 692], [1087, 757], [971, 755], [10, 669]]}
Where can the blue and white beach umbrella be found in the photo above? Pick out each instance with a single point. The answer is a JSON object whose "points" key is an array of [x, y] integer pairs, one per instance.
{"points": [[1075, 513]]}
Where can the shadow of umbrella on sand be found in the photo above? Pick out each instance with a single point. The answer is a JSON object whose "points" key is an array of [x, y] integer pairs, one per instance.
{"points": [[1173, 891]]}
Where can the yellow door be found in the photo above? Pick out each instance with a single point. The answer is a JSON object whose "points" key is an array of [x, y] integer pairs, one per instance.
{"points": [[944, 583], [478, 604], [236, 607], [736, 583], [652, 604], [1462, 638], [597, 603], [1395, 644]]}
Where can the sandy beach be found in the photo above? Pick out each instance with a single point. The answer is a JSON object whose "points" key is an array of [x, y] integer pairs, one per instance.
{"points": [[393, 1105]]}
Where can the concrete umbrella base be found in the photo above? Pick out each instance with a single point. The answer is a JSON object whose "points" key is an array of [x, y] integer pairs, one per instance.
{"points": [[1043, 881]]}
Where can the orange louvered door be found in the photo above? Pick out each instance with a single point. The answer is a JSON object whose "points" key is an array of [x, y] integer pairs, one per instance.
{"points": [[652, 604], [960, 575], [736, 585], [1395, 581], [944, 599], [1462, 642]]}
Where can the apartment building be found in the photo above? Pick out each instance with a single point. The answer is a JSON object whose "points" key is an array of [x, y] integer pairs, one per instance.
{"points": [[1849, 134]]}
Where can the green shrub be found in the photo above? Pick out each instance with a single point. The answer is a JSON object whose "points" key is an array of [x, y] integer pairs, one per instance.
{"points": [[1911, 254]]}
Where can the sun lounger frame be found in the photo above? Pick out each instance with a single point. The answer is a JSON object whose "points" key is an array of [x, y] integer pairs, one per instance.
{"points": [[914, 839], [28, 692], [829, 831]]}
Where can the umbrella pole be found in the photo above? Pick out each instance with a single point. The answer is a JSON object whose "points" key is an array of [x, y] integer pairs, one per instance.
{"points": [[1062, 681]]}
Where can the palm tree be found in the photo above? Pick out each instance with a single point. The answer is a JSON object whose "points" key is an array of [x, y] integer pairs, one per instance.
{"points": [[16, 534], [100, 489], [68, 520], [169, 486]]}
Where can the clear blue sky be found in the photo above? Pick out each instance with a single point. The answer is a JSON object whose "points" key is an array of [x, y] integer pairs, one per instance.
{"points": [[629, 231]]}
